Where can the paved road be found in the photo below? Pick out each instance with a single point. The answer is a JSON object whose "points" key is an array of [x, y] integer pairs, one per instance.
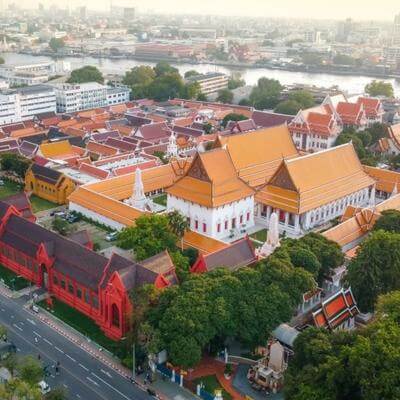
{"points": [[82, 375]]}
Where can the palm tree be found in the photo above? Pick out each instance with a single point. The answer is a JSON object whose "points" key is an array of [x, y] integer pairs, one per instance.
{"points": [[178, 224]]}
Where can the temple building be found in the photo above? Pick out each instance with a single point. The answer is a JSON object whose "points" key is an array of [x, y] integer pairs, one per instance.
{"points": [[215, 201], [97, 286], [310, 191]]}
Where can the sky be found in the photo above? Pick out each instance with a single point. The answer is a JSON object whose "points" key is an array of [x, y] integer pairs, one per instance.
{"points": [[338, 9]]}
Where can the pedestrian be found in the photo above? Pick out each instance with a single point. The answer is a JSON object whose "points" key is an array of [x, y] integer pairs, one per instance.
{"points": [[39, 357], [36, 339]]}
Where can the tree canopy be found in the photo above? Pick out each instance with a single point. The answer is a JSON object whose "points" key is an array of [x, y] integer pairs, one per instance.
{"points": [[56, 44], [266, 94], [85, 74], [138, 79], [359, 365], [247, 304], [376, 268], [379, 88], [15, 163], [235, 81], [232, 117], [289, 107], [225, 96], [389, 221]]}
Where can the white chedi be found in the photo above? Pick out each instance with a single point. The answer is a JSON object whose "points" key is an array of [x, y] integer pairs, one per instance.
{"points": [[272, 241], [172, 147], [138, 199]]}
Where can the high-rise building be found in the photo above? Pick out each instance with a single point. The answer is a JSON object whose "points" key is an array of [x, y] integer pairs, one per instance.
{"points": [[129, 13], [396, 30]]}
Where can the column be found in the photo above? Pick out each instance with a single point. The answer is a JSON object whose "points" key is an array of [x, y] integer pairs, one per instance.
{"points": [[269, 209], [297, 223], [286, 219]]}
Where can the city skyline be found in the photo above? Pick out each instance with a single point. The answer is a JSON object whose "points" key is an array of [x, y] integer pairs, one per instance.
{"points": [[284, 9]]}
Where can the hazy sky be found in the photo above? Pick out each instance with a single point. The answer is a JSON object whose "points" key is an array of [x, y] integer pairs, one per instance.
{"points": [[338, 9]]}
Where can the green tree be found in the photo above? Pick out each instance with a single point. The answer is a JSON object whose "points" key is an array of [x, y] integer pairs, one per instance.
{"points": [[29, 370], [3, 332], [138, 79], [191, 91], [178, 224], [236, 81], [58, 393], [202, 97], [395, 162], [191, 73], [266, 94], [305, 258], [56, 44], [289, 107], [150, 235], [225, 96], [379, 88], [389, 221], [164, 68], [343, 59], [388, 306], [376, 268], [377, 131], [302, 97], [60, 226], [162, 156], [232, 117], [86, 74], [166, 86], [311, 59], [15, 163], [18, 389]]}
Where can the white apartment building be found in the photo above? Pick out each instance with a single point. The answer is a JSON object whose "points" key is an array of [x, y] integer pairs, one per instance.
{"points": [[85, 96], [24, 103], [211, 82]]}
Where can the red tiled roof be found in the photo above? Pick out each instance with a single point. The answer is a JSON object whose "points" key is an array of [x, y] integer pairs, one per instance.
{"points": [[93, 171]]}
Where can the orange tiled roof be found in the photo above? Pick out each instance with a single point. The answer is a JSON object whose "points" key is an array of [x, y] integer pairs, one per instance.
{"points": [[304, 183], [257, 155], [61, 149], [101, 149], [394, 134], [204, 244], [211, 181], [356, 222], [19, 133], [385, 179]]}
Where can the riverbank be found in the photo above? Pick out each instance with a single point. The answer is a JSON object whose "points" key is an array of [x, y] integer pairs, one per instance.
{"points": [[327, 69], [352, 84]]}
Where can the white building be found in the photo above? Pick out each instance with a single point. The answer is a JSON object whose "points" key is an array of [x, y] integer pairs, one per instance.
{"points": [[85, 96], [215, 201], [211, 82], [24, 103]]}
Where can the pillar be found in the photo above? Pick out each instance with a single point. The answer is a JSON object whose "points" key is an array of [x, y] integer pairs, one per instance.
{"points": [[173, 376], [286, 219], [269, 209], [297, 223], [181, 380]]}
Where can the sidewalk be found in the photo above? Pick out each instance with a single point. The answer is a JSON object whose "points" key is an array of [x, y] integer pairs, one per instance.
{"points": [[166, 389]]}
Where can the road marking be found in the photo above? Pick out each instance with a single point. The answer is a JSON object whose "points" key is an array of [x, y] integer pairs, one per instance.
{"points": [[92, 381], [106, 373], [18, 349], [82, 366], [31, 321], [18, 327], [58, 349], [48, 341], [36, 334], [78, 396], [72, 359], [66, 386], [110, 386]]}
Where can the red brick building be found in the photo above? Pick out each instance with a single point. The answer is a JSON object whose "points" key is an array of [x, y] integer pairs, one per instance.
{"points": [[74, 274]]}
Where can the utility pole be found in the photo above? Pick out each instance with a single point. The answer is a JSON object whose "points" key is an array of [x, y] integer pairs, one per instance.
{"points": [[133, 362]]}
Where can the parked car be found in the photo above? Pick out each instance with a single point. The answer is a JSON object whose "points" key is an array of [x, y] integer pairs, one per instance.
{"points": [[59, 214], [44, 387], [112, 236], [72, 217]]}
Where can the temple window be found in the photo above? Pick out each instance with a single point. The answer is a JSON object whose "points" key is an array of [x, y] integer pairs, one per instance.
{"points": [[55, 280], [196, 224], [115, 315], [218, 227], [70, 288], [63, 283], [79, 293], [95, 301], [204, 227]]}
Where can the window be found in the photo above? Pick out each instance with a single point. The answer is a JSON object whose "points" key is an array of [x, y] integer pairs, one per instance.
{"points": [[248, 216], [204, 227], [115, 315], [218, 228], [241, 219], [196, 224], [70, 288], [55, 280], [79, 293], [95, 301], [87, 297], [226, 225], [63, 284], [233, 223]]}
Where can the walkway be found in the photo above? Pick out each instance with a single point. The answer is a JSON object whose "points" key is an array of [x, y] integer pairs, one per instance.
{"points": [[211, 366]]}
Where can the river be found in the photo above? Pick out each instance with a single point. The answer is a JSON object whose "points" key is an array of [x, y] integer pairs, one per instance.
{"points": [[351, 84]]}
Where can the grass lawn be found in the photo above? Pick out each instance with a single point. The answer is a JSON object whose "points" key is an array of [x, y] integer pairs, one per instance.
{"points": [[9, 188], [39, 204], [261, 235], [211, 383], [161, 200], [86, 326], [12, 280]]}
